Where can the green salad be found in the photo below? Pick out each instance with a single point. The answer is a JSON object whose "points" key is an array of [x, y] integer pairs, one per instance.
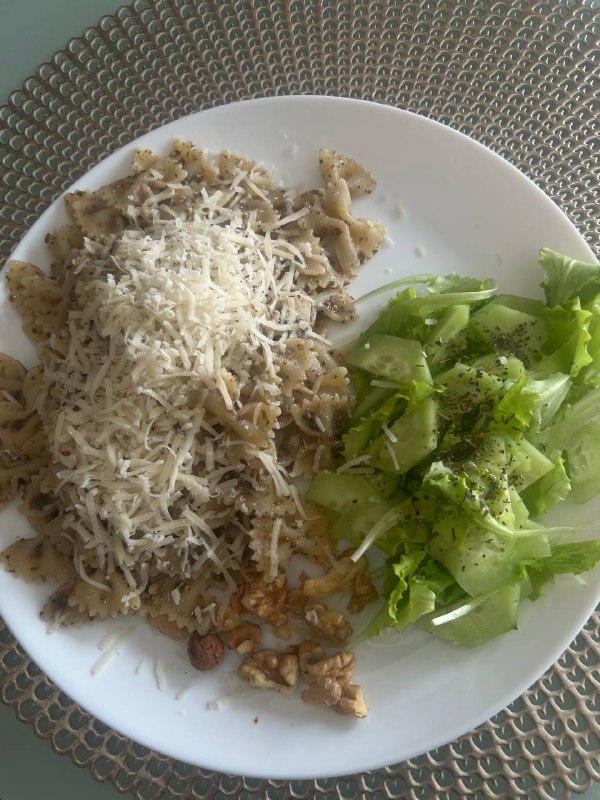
{"points": [[475, 413]]}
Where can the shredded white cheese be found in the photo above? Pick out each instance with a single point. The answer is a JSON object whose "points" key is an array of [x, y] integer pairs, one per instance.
{"points": [[393, 456], [352, 463], [110, 644], [273, 558], [174, 319], [160, 673], [390, 435]]}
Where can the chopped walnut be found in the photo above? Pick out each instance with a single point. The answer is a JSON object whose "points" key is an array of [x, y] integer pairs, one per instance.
{"points": [[269, 669], [267, 600], [244, 638], [363, 593], [344, 698], [352, 701], [327, 622], [315, 666], [325, 693], [309, 653], [295, 602], [339, 577], [328, 678]]}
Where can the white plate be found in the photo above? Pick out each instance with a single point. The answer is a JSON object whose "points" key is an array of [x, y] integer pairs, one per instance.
{"points": [[466, 210]]}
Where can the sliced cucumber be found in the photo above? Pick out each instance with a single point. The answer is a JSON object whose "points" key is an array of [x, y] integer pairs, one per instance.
{"points": [[446, 339], [339, 491], [400, 360], [411, 439], [508, 330], [486, 618]]}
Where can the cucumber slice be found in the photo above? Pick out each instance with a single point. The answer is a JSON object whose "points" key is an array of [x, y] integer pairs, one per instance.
{"points": [[467, 387], [446, 339], [415, 436], [400, 360], [338, 492], [487, 618], [508, 368], [527, 463], [508, 330], [357, 521], [528, 305], [481, 561], [370, 401]]}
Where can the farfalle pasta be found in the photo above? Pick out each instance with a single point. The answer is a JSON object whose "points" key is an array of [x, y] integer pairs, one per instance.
{"points": [[184, 385]]}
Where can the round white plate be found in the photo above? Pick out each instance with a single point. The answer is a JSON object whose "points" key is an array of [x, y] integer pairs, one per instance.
{"points": [[465, 209]]}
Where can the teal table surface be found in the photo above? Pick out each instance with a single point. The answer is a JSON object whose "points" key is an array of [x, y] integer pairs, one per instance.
{"points": [[30, 32]]}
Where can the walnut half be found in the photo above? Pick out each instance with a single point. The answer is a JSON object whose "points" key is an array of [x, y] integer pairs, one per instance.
{"points": [[328, 678], [244, 638], [267, 600], [268, 669], [327, 622]]}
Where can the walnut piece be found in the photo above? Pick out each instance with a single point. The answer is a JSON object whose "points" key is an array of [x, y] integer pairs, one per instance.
{"points": [[328, 678], [205, 651], [363, 593], [345, 574], [340, 576], [244, 638], [315, 666], [295, 602], [344, 698], [309, 653], [269, 669], [352, 701], [327, 622], [325, 693], [267, 600]]}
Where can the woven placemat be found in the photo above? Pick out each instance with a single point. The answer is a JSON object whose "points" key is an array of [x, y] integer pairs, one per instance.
{"points": [[519, 77]]}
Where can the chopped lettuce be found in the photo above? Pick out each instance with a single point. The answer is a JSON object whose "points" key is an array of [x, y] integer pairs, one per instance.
{"points": [[475, 414], [566, 277], [473, 622]]}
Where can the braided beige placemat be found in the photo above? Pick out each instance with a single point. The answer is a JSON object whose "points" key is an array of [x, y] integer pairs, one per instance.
{"points": [[520, 77]]}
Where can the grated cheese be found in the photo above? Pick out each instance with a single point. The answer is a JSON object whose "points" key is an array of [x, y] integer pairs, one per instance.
{"points": [[160, 673], [352, 463], [110, 644], [390, 435], [168, 318], [393, 456], [273, 559]]}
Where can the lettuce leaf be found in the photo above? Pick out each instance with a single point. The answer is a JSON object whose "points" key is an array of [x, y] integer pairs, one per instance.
{"points": [[567, 277], [565, 559]]}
